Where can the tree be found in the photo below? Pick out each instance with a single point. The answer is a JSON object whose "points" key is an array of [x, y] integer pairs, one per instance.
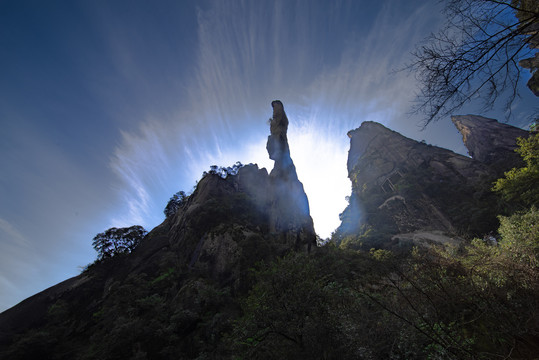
{"points": [[224, 172], [476, 53], [520, 233], [299, 309], [176, 201], [116, 241], [519, 186]]}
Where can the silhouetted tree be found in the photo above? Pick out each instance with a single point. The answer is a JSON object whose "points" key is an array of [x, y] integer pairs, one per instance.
{"points": [[477, 52], [224, 171], [176, 201], [115, 241]]}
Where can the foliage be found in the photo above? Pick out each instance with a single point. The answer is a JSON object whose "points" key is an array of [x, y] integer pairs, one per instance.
{"points": [[176, 202], [301, 307], [519, 186], [224, 172], [520, 234], [478, 301], [474, 301], [117, 241], [475, 288], [475, 53]]}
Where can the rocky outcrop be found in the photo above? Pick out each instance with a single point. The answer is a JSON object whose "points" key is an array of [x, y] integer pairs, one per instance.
{"points": [[490, 141], [227, 225], [277, 144], [531, 32], [289, 209], [401, 186]]}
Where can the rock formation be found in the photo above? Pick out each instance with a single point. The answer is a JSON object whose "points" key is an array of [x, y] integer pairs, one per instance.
{"points": [[277, 144], [178, 293], [489, 141], [289, 210], [221, 231], [402, 187]]}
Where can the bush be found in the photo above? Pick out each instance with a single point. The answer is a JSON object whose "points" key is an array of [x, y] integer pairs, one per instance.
{"points": [[117, 241], [177, 201], [519, 186]]}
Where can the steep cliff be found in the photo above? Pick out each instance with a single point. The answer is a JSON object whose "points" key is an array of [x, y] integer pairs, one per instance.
{"points": [[489, 141], [403, 189], [184, 272], [289, 206]]}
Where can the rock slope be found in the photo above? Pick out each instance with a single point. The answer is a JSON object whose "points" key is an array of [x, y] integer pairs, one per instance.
{"points": [[204, 249], [402, 188], [489, 141]]}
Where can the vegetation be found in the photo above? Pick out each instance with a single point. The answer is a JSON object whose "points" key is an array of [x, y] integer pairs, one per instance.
{"points": [[224, 172], [118, 241], [243, 297], [176, 202], [477, 52], [519, 188], [478, 300], [224, 285], [475, 302]]}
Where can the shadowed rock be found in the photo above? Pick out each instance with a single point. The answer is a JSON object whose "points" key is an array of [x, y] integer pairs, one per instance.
{"points": [[401, 186], [289, 213], [222, 229], [490, 141], [277, 144]]}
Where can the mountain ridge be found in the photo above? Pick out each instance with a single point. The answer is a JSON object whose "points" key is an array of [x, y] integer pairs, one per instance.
{"points": [[189, 283], [404, 186], [225, 227]]}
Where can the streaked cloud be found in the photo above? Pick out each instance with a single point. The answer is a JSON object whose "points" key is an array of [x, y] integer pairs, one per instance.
{"points": [[50, 207], [102, 124], [239, 72], [13, 235]]}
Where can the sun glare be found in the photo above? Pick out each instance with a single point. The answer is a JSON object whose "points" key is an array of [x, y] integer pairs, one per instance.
{"points": [[321, 166], [320, 161]]}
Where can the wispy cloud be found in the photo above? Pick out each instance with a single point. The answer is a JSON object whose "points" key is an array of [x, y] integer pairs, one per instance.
{"points": [[47, 205], [180, 89], [17, 256], [12, 235], [250, 53]]}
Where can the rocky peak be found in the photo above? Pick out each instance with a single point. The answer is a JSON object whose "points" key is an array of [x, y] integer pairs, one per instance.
{"points": [[224, 227], [277, 144], [289, 210], [228, 222], [386, 152], [401, 186], [490, 141]]}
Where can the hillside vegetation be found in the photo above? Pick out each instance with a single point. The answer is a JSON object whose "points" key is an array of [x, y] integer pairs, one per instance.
{"points": [[231, 274]]}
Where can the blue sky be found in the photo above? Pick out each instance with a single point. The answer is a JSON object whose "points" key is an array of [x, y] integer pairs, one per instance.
{"points": [[107, 108]]}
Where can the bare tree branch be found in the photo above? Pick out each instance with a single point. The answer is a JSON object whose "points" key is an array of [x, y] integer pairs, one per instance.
{"points": [[474, 56]]}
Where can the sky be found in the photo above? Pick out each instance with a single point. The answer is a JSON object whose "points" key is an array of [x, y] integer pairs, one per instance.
{"points": [[107, 108]]}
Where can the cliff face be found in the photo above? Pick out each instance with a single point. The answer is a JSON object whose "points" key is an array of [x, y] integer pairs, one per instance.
{"points": [[289, 206], [489, 141], [206, 247], [402, 188]]}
